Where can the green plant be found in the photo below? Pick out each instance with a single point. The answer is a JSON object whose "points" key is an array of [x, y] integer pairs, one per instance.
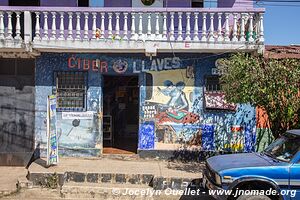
{"points": [[273, 84], [51, 181]]}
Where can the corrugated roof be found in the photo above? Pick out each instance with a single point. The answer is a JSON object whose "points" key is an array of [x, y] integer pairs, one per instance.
{"points": [[279, 52]]}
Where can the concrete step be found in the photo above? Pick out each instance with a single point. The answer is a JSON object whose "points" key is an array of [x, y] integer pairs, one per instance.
{"points": [[73, 190]]}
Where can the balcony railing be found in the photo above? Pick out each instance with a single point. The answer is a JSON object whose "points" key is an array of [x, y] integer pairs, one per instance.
{"points": [[54, 28]]}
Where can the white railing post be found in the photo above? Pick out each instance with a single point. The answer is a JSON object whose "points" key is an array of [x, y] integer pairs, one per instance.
{"points": [[164, 33], [172, 37], [179, 38], [242, 34], [196, 28], [102, 25], [125, 29], [234, 34], [110, 25], [9, 27], [157, 34], [251, 39], [220, 36], [149, 28], [53, 31], [94, 14], [86, 26], [46, 32], [211, 29], [70, 26], [2, 36], [188, 26], [117, 26], [203, 34], [133, 34], [140, 31], [261, 28], [226, 38], [37, 27], [61, 27], [18, 27], [78, 34], [27, 28]]}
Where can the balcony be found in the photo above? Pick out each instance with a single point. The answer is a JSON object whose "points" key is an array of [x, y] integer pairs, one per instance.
{"points": [[62, 29]]}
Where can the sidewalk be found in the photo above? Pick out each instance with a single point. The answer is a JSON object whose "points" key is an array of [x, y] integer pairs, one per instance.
{"points": [[9, 178], [114, 166]]}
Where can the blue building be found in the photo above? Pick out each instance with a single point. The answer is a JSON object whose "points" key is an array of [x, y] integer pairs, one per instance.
{"points": [[130, 76]]}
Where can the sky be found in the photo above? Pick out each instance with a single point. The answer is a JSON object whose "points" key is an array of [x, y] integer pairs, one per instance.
{"points": [[282, 25]]}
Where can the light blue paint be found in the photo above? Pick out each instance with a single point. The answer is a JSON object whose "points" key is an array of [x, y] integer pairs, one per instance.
{"points": [[96, 3]]}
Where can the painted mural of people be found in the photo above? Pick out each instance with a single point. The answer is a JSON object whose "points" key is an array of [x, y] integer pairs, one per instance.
{"points": [[178, 100]]}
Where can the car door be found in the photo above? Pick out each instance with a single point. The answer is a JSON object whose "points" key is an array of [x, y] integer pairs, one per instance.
{"points": [[295, 180]]}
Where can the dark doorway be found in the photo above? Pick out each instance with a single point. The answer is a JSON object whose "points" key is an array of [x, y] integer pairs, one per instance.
{"points": [[120, 114], [16, 111]]}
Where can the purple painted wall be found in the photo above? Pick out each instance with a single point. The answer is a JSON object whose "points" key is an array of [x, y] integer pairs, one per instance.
{"points": [[117, 3], [66, 3], [178, 3], [4, 3], [235, 3]]}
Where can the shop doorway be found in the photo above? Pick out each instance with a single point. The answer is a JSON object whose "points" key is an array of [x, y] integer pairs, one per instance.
{"points": [[120, 114]]}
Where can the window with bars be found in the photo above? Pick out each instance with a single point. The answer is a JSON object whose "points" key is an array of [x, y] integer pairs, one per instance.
{"points": [[212, 84], [71, 90]]}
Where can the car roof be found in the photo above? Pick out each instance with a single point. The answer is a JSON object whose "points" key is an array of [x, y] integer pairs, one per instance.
{"points": [[294, 131]]}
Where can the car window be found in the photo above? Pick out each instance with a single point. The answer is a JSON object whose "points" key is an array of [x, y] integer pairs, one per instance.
{"points": [[284, 148]]}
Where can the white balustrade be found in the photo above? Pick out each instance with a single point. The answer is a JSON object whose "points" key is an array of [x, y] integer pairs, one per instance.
{"points": [[172, 25], [45, 36], [53, 32]]}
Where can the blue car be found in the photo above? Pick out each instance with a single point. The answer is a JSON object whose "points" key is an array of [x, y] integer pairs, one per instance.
{"points": [[273, 174]]}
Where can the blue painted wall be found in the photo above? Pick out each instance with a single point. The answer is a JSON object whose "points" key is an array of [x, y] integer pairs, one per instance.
{"points": [[96, 3], [163, 125]]}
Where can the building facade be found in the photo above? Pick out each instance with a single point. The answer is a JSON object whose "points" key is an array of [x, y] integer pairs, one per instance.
{"points": [[130, 76]]}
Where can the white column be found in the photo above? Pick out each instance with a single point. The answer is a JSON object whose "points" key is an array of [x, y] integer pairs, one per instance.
{"points": [[242, 36], [196, 28], [188, 26], [37, 27], [251, 39], [61, 27], [70, 26], [53, 31], [140, 31], [220, 36], [226, 37], [157, 35], [261, 28], [203, 35], [18, 27], [94, 14], [102, 25], [46, 32], [211, 28], [86, 26], [117, 26], [179, 38], [164, 33], [125, 29], [1, 26], [149, 28], [133, 34], [110, 25], [78, 36], [234, 35], [172, 26], [9, 27]]}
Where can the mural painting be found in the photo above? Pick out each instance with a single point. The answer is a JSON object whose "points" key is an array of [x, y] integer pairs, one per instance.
{"points": [[175, 109]]}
